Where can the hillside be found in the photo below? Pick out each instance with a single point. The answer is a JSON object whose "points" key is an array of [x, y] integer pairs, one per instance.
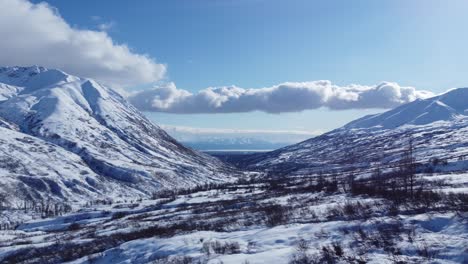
{"points": [[105, 146], [449, 106], [437, 127]]}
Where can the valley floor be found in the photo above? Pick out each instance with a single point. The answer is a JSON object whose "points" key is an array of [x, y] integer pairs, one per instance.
{"points": [[301, 220]]}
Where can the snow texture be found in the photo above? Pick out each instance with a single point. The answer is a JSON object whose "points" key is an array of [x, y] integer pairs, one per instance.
{"points": [[72, 139]]}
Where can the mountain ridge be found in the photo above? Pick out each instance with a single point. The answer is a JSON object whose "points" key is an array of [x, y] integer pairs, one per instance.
{"points": [[378, 138], [443, 107], [112, 137]]}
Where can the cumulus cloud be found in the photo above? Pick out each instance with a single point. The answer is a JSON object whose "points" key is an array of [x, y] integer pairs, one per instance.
{"points": [[37, 34], [285, 97]]}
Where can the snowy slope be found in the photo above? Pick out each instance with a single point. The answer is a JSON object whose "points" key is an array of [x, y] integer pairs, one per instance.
{"points": [[448, 106], [438, 126], [32, 169], [95, 126]]}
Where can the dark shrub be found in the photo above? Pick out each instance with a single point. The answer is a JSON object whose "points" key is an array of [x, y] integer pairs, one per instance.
{"points": [[74, 227], [276, 214]]}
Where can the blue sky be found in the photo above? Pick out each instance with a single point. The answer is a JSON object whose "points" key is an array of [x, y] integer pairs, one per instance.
{"points": [[260, 43]]}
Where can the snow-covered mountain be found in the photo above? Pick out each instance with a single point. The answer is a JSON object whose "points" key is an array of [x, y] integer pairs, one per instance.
{"points": [[438, 127], [64, 136], [452, 105]]}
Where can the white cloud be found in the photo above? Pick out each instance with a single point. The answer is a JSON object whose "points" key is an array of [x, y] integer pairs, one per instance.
{"points": [[106, 26], [35, 34], [285, 97]]}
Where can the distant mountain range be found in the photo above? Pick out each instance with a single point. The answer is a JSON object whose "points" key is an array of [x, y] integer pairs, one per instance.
{"points": [[68, 138], [236, 139], [233, 144]]}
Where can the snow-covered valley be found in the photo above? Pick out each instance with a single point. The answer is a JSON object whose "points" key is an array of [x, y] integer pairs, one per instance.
{"points": [[299, 220], [86, 178]]}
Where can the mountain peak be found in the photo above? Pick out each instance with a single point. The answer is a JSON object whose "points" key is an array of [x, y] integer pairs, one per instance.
{"points": [[456, 99], [91, 122], [22, 69], [444, 107], [20, 72], [32, 77]]}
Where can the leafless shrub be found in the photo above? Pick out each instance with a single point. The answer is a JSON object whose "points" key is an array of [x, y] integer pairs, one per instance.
{"points": [[338, 250], [276, 214], [176, 260], [118, 215], [302, 255], [222, 248], [328, 255], [426, 251], [74, 227]]}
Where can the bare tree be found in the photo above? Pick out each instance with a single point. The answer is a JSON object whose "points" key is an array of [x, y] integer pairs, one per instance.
{"points": [[2, 200], [407, 167], [411, 165]]}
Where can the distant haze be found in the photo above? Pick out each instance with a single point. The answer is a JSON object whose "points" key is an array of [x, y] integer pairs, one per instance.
{"points": [[233, 139]]}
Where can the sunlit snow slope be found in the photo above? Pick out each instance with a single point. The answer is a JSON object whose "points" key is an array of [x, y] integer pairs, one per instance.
{"points": [[438, 127], [65, 137]]}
